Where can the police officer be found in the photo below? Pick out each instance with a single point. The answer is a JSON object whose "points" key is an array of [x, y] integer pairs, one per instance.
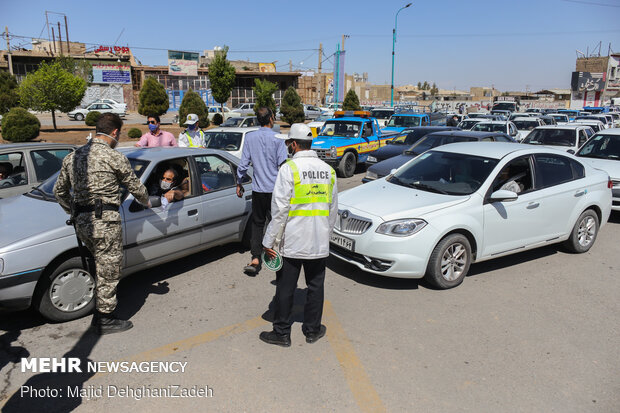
{"points": [[96, 171], [192, 136], [304, 209]]}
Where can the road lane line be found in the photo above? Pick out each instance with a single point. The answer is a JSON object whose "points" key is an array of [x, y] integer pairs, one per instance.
{"points": [[363, 391]]}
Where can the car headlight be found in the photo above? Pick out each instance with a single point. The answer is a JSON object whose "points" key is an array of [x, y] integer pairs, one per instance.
{"points": [[401, 227], [333, 152], [371, 159], [371, 175]]}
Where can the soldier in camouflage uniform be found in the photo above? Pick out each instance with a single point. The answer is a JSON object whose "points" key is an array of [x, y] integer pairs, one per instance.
{"points": [[96, 172]]}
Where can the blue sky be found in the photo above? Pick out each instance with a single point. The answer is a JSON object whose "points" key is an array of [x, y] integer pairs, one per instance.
{"points": [[509, 44]]}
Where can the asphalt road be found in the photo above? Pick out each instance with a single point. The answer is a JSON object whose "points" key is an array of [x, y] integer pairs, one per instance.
{"points": [[533, 332]]}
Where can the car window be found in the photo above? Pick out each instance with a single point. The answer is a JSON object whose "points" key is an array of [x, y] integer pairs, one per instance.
{"points": [[516, 176], [228, 141], [555, 137], [488, 139], [215, 173], [47, 162], [583, 137], [181, 178], [13, 167], [552, 170]]}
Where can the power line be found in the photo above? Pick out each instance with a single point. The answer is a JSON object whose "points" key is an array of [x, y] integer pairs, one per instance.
{"points": [[491, 35], [591, 3]]}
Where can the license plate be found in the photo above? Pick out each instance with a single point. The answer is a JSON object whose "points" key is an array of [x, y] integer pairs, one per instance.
{"points": [[343, 242]]}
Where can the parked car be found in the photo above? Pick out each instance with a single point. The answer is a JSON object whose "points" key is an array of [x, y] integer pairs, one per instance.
{"points": [[243, 109], [602, 151], [468, 123], [29, 164], [227, 139], [596, 125], [600, 118], [80, 113], [505, 114], [311, 111], [404, 140], [548, 120], [486, 116], [515, 115], [240, 122], [525, 125], [112, 103], [382, 115], [430, 141], [448, 208], [317, 124], [502, 126], [39, 259], [218, 109], [567, 137], [560, 118]]}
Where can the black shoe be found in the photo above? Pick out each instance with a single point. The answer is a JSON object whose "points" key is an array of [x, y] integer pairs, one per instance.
{"points": [[313, 337], [272, 337], [109, 324], [252, 270]]}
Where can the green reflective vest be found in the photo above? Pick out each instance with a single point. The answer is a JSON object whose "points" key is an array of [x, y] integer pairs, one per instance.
{"points": [[310, 194], [189, 139]]}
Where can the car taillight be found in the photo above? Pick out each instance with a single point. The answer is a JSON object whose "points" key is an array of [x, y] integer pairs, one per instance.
{"points": [[610, 183]]}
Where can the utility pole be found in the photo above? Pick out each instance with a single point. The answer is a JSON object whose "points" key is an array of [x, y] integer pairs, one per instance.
{"points": [[8, 49], [337, 77], [344, 36], [320, 79], [290, 65], [59, 38], [54, 40], [67, 32]]}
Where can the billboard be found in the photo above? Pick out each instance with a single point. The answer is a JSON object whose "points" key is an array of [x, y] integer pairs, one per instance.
{"points": [[339, 77], [112, 72], [588, 82], [182, 63], [267, 67]]}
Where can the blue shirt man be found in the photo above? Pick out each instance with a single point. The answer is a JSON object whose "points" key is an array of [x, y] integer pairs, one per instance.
{"points": [[265, 153]]}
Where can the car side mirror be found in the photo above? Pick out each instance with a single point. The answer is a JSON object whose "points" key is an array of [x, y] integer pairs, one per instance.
{"points": [[503, 195], [571, 151]]}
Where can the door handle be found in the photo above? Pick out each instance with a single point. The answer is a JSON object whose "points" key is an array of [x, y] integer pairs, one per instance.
{"points": [[580, 193], [533, 205], [192, 212]]}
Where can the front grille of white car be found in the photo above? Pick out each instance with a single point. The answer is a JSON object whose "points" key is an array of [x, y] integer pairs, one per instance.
{"points": [[348, 223]]}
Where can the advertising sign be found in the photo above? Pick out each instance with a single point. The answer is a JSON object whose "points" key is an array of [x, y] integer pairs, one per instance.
{"points": [[182, 63], [339, 76], [267, 67], [588, 82], [112, 72]]}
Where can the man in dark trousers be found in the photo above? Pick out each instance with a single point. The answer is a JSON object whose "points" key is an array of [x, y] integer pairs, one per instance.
{"points": [[304, 211], [96, 173], [265, 153]]}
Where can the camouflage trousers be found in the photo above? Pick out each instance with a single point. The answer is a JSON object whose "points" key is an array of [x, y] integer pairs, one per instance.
{"points": [[104, 241]]}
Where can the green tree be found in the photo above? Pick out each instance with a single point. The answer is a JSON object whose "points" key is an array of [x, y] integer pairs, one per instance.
{"points": [[425, 86], [291, 109], [19, 125], [153, 98], [222, 76], [419, 85], [52, 88], [9, 98], [134, 133], [193, 103], [79, 67], [264, 90], [434, 90], [351, 101], [92, 118]]}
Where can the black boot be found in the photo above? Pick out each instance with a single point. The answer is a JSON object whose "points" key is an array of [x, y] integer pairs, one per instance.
{"points": [[109, 324]]}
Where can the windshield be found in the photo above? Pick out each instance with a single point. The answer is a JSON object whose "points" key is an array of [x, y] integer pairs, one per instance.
{"points": [[228, 141], [525, 124], [555, 137], [511, 106], [468, 124], [348, 129], [433, 141], [560, 118], [490, 127], [232, 122], [323, 118], [602, 146], [400, 121], [445, 173], [47, 187], [381, 114]]}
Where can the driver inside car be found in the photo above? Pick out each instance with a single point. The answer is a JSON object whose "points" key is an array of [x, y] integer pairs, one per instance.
{"points": [[168, 186]]}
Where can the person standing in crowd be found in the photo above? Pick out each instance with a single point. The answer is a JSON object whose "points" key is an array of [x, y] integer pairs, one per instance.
{"points": [[192, 136], [265, 153], [304, 210], [155, 136], [96, 172]]}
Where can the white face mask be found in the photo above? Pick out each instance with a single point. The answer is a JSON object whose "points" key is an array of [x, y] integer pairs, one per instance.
{"points": [[105, 134], [165, 185]]}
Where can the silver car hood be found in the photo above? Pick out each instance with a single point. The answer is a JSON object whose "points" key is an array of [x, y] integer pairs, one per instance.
{"points": [[389, 201], [26, 221]]}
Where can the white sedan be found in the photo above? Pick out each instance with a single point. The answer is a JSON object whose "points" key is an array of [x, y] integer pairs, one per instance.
{"points": [[456, 205], [80, 114], [567, 137]]}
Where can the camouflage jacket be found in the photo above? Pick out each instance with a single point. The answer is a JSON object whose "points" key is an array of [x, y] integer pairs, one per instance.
{"points": [[96, 171]]}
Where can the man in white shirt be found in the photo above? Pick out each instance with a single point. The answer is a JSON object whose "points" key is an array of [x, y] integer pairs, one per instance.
{"points": [[192, 136], [304, 209]]}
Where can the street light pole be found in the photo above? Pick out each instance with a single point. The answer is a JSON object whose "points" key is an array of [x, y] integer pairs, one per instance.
{"points": [[393, 44]]}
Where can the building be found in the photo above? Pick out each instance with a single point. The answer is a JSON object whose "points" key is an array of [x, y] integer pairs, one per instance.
{"points": [[595, 81]]}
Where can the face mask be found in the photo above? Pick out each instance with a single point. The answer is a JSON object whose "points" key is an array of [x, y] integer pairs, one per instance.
{"points": [[111, 137], [191, 127], [152, 127], [290, 149], [165, 185]]}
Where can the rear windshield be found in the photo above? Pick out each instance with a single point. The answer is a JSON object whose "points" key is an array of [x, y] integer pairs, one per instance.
{"points": [[555, 137]]}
